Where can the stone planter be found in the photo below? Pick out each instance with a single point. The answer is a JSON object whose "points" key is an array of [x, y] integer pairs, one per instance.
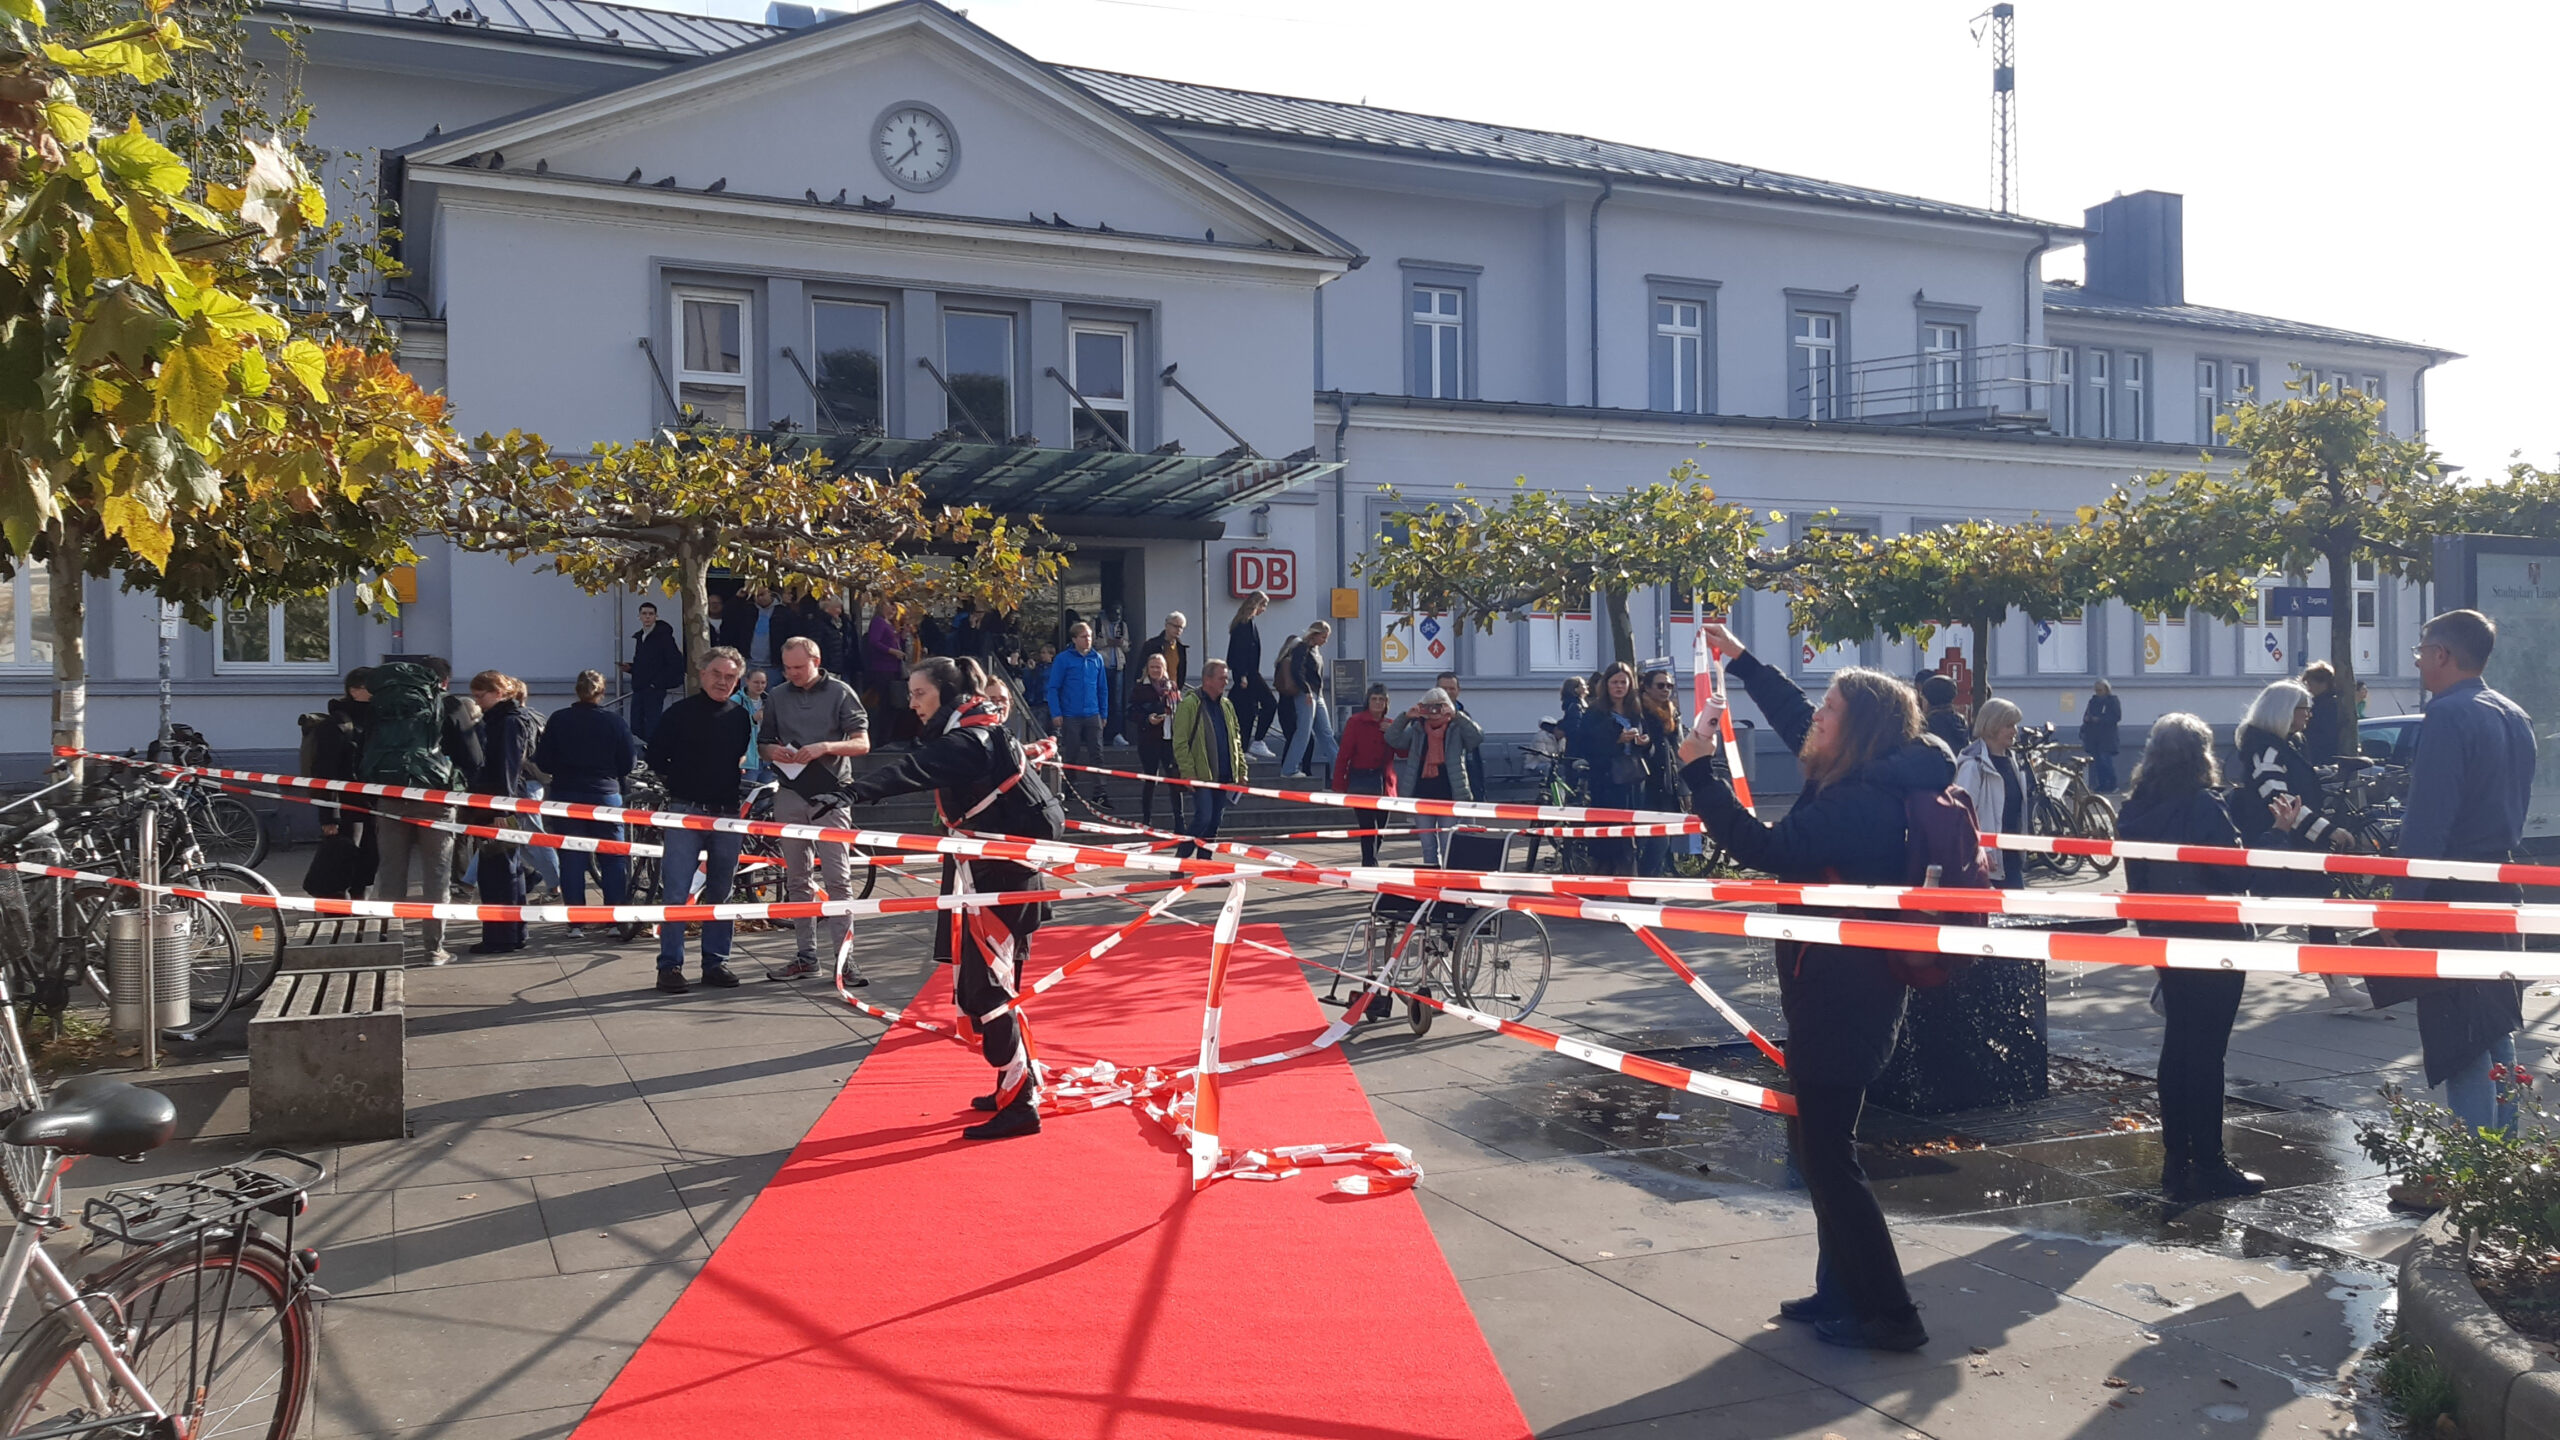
{"points": [[2506, 1389]]}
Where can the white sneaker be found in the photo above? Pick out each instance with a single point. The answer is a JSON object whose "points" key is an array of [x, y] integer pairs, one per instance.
{"points": [[1260, 751]]}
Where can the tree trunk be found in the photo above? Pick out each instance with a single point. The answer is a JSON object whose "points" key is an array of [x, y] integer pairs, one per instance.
{"points": [[693, 583], [1982, 627], [1622, 626], [2341, 554], [70, 645]]}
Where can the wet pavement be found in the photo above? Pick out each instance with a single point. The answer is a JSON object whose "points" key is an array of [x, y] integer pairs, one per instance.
{"points": [[581, 1143]]}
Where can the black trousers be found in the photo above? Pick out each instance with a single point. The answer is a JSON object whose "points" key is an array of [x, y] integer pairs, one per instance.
{"points": [[1857, 1264], [975, 985], [2201, 1004], [501, 883], [1256, 704]]}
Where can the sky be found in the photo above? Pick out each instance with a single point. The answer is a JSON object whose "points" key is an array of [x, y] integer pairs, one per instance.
{"points": [[2387, 168]]}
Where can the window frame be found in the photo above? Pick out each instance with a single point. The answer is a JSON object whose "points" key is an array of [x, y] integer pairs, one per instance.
{"points": [[1663, 290], [887, 305], [2099, 374], [222, 618], [1799, 371], [1123, 412], [1418, 275], [1965, 321], [2088, 622], [1017, 329], [2133, 381], [2066, 384], [2208, 397], [22, 639], [743, 379]]}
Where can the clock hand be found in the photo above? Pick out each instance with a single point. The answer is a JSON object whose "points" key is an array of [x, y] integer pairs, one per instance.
{"points": [[910, 151]]}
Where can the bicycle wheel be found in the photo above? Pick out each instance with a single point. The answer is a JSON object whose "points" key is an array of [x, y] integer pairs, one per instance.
{"points": [[645, 884], [227, 1337], [2052, 819], [2095, 819], [1501, 963], [261, 930], [213, 959], [2363, 836], [228, 830]]}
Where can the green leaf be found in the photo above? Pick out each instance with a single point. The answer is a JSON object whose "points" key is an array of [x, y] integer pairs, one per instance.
{"points": [[234, 315], [308, 365], [126, 325], [142, 162], [194, 381]]}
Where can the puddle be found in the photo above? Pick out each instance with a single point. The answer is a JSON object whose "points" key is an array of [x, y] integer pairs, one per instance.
{"points": [[2227, 1414]]}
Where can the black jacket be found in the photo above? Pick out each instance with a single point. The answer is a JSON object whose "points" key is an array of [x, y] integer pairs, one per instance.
{"points": [[1177, 659], [1843, 1006], [2320, 740], [697, 749], [962, 765], [2101, 725], [2271, 766], [506, 738], [2197, 817], [1949, 726], [337, 743], [586, 749], [1244, 652], [1595, 741], [657, 658]]}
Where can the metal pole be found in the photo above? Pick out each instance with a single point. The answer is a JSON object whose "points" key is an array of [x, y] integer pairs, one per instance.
{"points": [[149, 865], [168, 636]]}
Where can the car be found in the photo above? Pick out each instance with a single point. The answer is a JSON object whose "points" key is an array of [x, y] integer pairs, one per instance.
{"points": [[2389, 739]]}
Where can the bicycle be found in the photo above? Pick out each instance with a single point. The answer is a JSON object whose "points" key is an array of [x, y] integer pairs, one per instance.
{"points": [[2366, 813], [1556, 778], [205, 1327], [2063, 804], [229, 830]]}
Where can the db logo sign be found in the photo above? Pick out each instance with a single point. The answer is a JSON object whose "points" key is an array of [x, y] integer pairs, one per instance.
{"points": [[1273, 572]]}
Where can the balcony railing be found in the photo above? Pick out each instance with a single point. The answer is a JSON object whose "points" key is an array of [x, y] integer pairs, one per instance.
{"points": [[1988, 387]]}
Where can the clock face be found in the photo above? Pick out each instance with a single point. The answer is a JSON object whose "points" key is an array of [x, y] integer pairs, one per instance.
{"points": [[915, 146]]}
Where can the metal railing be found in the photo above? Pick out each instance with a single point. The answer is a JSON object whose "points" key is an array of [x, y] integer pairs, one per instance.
{"points": [[2004, 387]]}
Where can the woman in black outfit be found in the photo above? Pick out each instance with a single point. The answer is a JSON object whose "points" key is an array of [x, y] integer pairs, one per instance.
{"points": [[1255, 704], [2177, 800], [2273, 766], [1863, 751], [1611, 741], [1152, 697], [506, 738], [980, 783]]}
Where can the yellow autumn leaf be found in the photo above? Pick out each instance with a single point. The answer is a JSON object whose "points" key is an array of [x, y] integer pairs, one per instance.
{"points": [[308, 364]]}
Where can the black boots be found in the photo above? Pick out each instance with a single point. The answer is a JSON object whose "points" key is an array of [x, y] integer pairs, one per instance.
{"points": [[1905, 1333], [1022, 1117], [2190, 1182]]}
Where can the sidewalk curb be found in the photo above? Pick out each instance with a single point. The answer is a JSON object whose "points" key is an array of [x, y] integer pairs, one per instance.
{"points": [[2506, 1390]]}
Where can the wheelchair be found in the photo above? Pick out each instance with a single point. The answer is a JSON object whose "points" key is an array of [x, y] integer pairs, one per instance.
{"points": [[1494, 961]]}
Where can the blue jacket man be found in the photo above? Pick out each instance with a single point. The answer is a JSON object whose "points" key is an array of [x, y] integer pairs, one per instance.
{"points": [[1079, 698]]}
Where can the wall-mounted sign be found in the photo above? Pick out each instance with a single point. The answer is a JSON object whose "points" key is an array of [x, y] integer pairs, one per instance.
{"points": [[1273, 572]]}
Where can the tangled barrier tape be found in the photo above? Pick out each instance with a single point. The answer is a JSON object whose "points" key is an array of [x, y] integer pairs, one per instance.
{"points": [[1925, 920]]}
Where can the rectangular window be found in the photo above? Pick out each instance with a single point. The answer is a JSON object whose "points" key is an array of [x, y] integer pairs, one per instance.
{"points": [[851, 342], [1411, 642], [2066, 393], [1439, 342], [2101, 417], [26, 618], [1101, 357], [298, 634], [1942, 366], [713, 331], [2062, 646], [977, 358], [1565, 641], [2368, 635], [1817, 364], [2262, 638], [2208, 399], [1680, 356], [2136, 415], [2373, 386], [2165, 649]]}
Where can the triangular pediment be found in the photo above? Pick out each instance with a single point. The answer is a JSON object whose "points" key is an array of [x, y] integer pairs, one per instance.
{"points": [[800, 115]]}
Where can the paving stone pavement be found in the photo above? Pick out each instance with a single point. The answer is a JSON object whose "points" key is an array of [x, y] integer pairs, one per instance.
{"points": [[580, 1144]]}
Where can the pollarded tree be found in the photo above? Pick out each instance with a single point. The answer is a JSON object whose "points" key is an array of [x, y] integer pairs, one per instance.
{"points": [[1541, 550], [662, 513], [1844, 586], [157, 384], [2319, 479]]}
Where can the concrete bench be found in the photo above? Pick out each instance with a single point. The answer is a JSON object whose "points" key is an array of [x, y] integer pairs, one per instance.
{"points": [[328, 1057], [343, 942]]}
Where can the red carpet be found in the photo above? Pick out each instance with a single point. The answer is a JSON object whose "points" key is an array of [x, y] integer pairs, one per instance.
{"points": [[895, 1280]]}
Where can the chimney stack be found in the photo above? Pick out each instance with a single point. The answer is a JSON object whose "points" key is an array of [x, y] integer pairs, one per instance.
{"points": [[2136, 248]]}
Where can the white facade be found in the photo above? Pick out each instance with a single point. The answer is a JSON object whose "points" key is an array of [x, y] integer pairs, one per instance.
{"points": [[1430, 312]]}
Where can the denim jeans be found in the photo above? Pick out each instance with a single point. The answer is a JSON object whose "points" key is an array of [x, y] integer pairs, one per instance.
{"points": [[686, 851], [1311, 745], [615, 869], [540, 860], [1207, 807], [2471, 1095]]}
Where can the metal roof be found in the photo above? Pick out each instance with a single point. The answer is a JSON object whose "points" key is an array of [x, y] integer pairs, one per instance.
{"points": [[1078, 488], [588, 24], [1365, 127], [2066, 299]]}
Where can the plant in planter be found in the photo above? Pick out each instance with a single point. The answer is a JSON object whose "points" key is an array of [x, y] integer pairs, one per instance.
{"points": [[2500, 1189]]}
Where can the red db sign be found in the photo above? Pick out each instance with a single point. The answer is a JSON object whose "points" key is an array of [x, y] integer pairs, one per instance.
{"points": [[1273, 572]]}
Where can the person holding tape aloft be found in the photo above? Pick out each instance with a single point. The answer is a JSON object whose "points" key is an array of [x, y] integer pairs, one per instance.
{"points": [[980, 784], [1863, 750]]}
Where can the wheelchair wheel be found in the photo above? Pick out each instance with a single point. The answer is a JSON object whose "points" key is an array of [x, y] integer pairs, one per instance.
{"points": [[1419, 1015], [1501, 964]]}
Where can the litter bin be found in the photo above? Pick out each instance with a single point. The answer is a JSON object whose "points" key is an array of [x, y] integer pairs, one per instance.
{"points": [[173, 957]]}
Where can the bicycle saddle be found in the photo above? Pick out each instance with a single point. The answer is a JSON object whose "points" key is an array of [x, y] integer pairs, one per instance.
{"points": [[92, 1115]]}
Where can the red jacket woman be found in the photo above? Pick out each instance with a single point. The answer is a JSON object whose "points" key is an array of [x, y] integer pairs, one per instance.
{"points": [[1364, 764]]}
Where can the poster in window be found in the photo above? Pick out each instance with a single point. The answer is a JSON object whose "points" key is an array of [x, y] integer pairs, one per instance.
{"points": [[1567, 641], [2165, 646], [2263, 646], [1818, 659], [1411, 642], [2062, 646]]}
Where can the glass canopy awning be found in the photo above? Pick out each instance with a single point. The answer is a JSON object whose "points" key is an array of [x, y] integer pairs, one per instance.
{"points": [[1076, 487]]}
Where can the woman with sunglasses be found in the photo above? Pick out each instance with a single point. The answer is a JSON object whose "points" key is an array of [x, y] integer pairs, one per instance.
{"points": [[1660, 722]]}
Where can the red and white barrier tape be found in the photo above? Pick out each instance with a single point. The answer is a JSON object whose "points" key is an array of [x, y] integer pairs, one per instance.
{"points": [[1410, 805]]}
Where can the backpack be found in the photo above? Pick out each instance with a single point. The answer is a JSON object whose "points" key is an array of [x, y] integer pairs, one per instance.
{"points": [[314, 724], [1940, 835], [1284, 676], [1029, 809], [406, 744]]}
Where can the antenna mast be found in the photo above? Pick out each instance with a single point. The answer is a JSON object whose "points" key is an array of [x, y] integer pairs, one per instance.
{"points": [[2004, 102]]}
